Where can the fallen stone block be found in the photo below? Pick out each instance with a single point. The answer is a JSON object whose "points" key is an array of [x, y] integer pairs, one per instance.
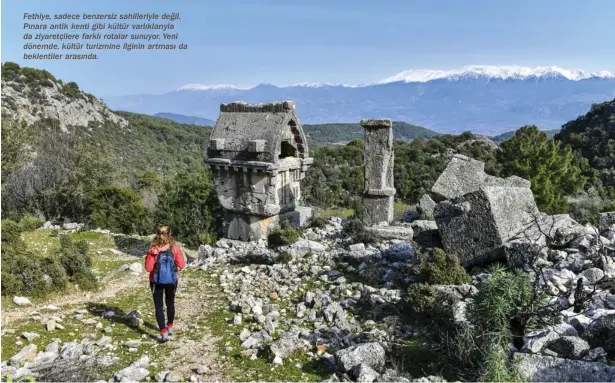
{"points": [[383, 231], [464, 175], [477, 225], [426, 205], [538, 368], [426, 233]]}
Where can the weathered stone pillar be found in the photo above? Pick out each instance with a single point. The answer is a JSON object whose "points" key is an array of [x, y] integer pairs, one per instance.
{"points": [[378, 159]]}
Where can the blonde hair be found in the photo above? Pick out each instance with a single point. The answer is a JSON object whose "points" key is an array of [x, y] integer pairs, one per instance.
{"points": [[163, 237]]}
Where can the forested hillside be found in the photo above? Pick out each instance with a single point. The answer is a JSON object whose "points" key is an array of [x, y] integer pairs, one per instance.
{"points": [[326, 134], [56, 171], [593, 134]]}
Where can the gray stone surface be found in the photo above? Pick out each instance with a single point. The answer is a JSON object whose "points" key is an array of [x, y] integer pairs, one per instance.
{"points": [[298, 217], [538, 368], [426, 205], [606, 221], [379, 192], [602, 333], [464, 175], [370, 354], [426, 233], [570, 347], [25, 354], [258, 154], [363, 373], [403, 233], [477, 225]]}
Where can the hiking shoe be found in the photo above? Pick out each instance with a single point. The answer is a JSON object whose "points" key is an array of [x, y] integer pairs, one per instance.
{"points": [[164, 337], [170, 330]]}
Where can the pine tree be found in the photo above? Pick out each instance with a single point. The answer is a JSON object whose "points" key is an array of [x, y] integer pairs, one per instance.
{"points": [[551, 169]]}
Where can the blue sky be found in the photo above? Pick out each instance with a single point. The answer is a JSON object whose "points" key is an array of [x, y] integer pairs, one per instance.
{"points": [[343, 41]]}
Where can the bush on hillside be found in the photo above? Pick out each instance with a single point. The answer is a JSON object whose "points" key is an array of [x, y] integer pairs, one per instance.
{"points": [[585, 206], [283, 236], [427, 307], [318, 222], [30, 223], [24, 272], [189, 205], [75, 259], [355, 229], [440, 268], [496, 318], [118, 209]]}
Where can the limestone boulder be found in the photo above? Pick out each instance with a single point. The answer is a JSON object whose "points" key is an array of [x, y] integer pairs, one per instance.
{"points": [[464, 175], [426, 233], [477, 225], [539, 368], [371, 355], [426, 205], [606, 221]]}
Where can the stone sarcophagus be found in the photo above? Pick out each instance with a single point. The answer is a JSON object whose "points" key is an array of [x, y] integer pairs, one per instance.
{"points": [[258, 154]]}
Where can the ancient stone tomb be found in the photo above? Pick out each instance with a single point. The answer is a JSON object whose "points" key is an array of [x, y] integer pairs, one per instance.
{"points": [[258, 154]]}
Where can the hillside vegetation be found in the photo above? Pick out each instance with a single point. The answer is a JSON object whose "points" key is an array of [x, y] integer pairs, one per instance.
{"points": [[326, 134], [153, 168], [593, 135], [57, 172]]}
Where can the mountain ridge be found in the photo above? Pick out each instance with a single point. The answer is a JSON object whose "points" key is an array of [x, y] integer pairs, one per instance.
{"points": [[479, 105]]}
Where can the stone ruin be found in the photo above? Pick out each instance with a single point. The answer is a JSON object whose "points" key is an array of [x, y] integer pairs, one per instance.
{"points": [[258, 154], [482, 218], [379, 192], [378, 196]]}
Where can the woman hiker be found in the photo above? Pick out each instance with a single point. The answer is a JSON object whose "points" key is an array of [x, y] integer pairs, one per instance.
{"points": [[162, 261]]}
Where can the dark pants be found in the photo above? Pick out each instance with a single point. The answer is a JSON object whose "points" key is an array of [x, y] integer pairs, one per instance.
{"points": [[169, 299]]}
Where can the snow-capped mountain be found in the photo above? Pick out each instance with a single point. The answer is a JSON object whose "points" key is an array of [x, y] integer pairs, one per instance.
{"points": [[489, 72], [483, 99]]}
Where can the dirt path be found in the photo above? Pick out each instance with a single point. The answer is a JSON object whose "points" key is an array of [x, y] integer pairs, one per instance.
{"points": [[112, 288], [192, 342]]}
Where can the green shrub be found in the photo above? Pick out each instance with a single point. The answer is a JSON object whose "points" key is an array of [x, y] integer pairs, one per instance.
{"points": [[285, 257], [283, 236], [497, 319], [443, 269], [11, 232], [552, 169], [71, 89], [357, 232], [318, 222], [86, 280], [53, 268], [54, 233], [189, 205], [118, 209], [499, 301], [431, 308], [30, 223], [74, 258], [24, 273], [585, 206]]}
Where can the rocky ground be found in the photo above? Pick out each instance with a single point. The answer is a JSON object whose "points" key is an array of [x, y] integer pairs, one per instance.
{"points": [[323, 308]]}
